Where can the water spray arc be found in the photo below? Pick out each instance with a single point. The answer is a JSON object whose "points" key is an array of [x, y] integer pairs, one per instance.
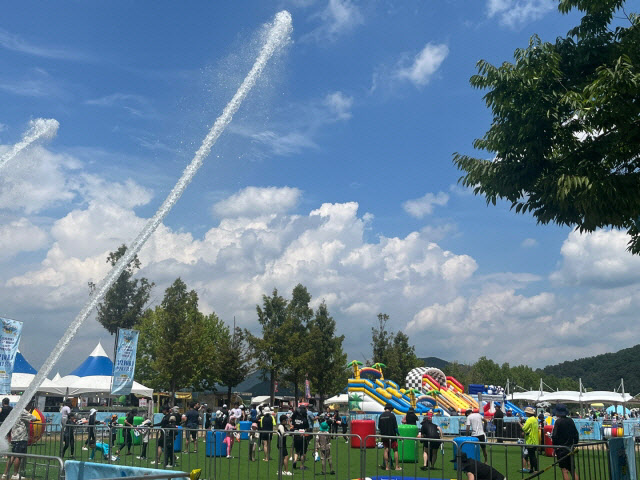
{"points": [[40, 128], [277, 36]]}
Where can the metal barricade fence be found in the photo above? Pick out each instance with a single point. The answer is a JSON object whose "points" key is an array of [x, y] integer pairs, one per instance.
{"points": [[414, 453], [588, 461], [331, 460], [41, 467]]}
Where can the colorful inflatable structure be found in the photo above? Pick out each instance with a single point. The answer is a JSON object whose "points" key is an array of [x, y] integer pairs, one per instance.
{"points": [[369, 392], [447, 392], [494, 396]]}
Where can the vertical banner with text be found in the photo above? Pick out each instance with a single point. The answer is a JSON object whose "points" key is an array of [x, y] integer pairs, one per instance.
{"points": [[9, 342], [125, 364]]}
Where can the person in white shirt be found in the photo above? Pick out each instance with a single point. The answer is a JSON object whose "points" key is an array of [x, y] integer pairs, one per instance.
{"points": [[475, 428]]}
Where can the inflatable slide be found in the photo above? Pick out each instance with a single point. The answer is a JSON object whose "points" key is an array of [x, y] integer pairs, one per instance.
{"points": [[371, 392]]}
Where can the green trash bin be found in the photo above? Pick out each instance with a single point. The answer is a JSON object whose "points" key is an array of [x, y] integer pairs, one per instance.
{"points": [[121, 431], [407, 449]]}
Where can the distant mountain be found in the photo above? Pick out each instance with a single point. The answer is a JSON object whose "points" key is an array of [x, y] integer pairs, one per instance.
{"points": [[603, 372], [435, 362]]}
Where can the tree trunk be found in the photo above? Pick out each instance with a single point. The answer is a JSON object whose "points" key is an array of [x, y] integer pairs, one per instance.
{"points": [[229, 396], [295, 393], [272, 387], [173, 394], [321, 403]]}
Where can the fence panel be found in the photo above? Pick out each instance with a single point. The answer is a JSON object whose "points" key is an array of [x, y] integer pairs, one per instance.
{"points": [[30, 466]]}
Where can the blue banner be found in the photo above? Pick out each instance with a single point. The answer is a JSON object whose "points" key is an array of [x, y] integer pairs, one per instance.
{"points": [[9, 341], [125, 364], [622, 459]]}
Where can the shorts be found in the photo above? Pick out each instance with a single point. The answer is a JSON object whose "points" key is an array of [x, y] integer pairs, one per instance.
{"points": [[300, 444], [431, 445], [564, 460], [194, 432], [481, 438], [265, 437], [389, 443], [19, 447]]}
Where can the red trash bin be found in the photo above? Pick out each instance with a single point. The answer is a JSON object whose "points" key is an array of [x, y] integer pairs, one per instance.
{"points": [[548, 452], [363, 428]]}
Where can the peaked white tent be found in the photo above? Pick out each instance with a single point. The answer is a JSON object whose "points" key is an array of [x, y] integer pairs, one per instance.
{"points": [[23, 374], [93, 376]]}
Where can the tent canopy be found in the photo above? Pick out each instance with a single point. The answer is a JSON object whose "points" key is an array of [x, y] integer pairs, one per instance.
{"points": [[571, 396], [23, 374], [93, 376]]}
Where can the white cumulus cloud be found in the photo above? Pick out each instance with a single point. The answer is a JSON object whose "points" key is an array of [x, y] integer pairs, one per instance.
{"points": [[423, 206], [515, 13], [254, 201], [340, 104], [424, 64]]}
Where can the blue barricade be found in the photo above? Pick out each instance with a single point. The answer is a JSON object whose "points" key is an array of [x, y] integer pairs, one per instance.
{"points": [[244, 425], [472, 451], [215, 446]]}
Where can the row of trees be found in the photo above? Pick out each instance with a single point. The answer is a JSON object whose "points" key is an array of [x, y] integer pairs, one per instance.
{"points": [[181, 347]]}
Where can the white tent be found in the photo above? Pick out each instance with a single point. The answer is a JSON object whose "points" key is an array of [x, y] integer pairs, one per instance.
{"points": [[93, 376], [342, 398], [23, 374]]}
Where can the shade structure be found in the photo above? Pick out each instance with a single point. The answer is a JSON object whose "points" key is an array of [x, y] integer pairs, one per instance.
{"points": [[92, 377], [572, 397], [23, 374]]}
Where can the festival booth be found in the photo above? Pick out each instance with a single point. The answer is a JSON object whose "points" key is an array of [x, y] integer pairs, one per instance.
{"points": [[23, 374], [92, 377]]}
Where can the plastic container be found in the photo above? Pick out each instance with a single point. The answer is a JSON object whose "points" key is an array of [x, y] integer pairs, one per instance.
{"points": [[137, 439], [407, 448], [214, 444], [244, 425], [177, 443], [472, 451], [548, 429], [363, 428]]}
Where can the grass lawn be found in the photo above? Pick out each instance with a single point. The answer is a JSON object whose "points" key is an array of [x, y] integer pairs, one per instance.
{"points": [[506, 458]]}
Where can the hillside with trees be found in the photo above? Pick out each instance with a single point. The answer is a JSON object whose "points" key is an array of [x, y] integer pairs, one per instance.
{"points": [[603, 372]]}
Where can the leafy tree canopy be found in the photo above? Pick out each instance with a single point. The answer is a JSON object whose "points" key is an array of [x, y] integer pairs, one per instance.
{"points": [[565, 135], [124, 302]]}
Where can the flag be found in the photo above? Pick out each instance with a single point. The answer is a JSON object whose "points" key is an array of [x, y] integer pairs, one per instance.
{"points": [[307, 389], [276, 386], [125, 365], [9, 342]]}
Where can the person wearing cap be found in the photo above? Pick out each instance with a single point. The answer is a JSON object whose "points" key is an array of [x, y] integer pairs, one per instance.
{"points": [[531, 437], [300, 422], [68, 435], [144, 429], [388, 427], [283, 462], [164, 423], [172, 429], [323, 444], [429, 430], [476, 470], [191, 424], [91, 435], [565, 434], [475, 428], [128, 431], [266, 432], [19, 440], [410, 418]]}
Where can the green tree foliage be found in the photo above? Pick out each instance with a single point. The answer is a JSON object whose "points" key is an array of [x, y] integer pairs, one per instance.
{"points": [[393, 350], [234, 359], [270, 351], [565, 135], [295, 337], [603, 372], [328, 373], [178, 343], [124, 302]]}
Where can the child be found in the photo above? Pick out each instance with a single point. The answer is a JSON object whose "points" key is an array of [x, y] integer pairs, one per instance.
{"points": [[231, 435], [323, 444], [254, 439], [171, 437], [283, 428], [113, 425], [144, 429]]}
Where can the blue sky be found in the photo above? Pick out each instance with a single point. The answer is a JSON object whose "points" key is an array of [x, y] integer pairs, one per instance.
{"points": [[336, 173]]}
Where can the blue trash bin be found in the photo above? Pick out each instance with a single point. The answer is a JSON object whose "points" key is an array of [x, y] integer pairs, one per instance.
{"points": [[214, 445], [472, 451], [245, 425], [177, 443]]}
